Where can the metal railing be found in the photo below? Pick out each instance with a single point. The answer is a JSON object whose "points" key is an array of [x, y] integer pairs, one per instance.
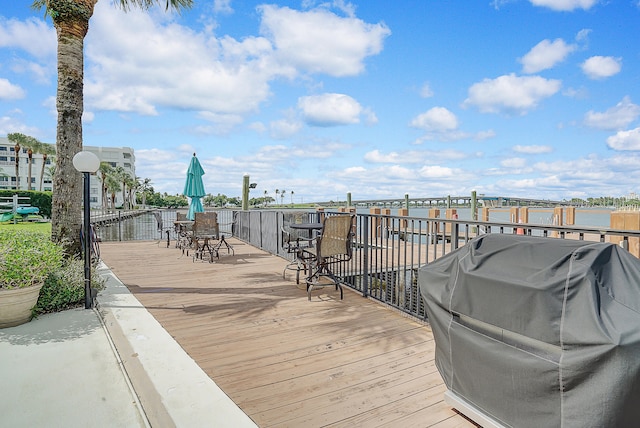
{"points": [[146, 224], [388, 251]]}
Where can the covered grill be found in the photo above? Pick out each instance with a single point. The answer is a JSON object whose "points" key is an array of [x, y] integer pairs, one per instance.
{"points": [[534, 332]]}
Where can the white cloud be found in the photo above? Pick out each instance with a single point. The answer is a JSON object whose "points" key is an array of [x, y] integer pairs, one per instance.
{"points": [[9, 91], [509, 93], [437, 119], [330, 109], [625, 140], [436, 171], [601, 67], [618, 117], [222, 6], [284, 128], [426, 91], [135, 64], [565, 5], [532, 150], [514, 163], [32, 35], [141, 63], [415, 156], [10, 124], [545, 55], [319, 41]]}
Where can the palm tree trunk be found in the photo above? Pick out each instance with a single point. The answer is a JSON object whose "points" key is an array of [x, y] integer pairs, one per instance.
{"points": [[30, 160], [44, 164], [66, 203]]}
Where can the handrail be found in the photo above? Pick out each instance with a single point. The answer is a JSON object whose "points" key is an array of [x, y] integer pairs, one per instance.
{"points": [[389, 250]]}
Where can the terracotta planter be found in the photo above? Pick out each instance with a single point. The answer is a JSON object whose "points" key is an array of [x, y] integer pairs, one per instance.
{"points": [[16, 305]]}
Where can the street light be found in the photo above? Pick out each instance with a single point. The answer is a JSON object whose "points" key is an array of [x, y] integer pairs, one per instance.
{"points": [[87, 163]]}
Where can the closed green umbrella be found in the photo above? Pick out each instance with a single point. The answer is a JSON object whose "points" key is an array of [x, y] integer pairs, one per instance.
{"points": [[194, 187]]}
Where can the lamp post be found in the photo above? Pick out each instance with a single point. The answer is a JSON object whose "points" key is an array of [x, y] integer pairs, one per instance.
{"points": [[86, 163]]}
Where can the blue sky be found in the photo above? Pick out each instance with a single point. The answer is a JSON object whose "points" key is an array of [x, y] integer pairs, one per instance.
{"points": [[528, 98]]}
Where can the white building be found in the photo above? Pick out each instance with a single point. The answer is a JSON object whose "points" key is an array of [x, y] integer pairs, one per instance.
{"points": [[115, 156]]}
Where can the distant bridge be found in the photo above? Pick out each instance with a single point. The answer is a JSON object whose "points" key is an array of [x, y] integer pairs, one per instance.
{"points": [[453, 201]]}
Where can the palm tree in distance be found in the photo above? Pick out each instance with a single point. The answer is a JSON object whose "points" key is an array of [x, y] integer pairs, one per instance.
{"points": [[17, 139], [33, 146], [104, 171], [71, 21], [46, 150]]}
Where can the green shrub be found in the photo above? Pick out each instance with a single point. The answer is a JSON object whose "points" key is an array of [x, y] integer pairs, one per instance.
{"points": [[27, 258], [64, 288]]}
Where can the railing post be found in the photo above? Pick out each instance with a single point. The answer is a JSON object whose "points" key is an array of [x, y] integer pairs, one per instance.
{"points": [[365, 255]]}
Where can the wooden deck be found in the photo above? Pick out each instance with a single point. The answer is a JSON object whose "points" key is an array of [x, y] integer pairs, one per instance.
{"points": [[285, 361]]}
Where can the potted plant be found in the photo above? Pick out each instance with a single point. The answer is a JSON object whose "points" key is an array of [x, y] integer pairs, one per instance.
{"points": [[26, 259]]}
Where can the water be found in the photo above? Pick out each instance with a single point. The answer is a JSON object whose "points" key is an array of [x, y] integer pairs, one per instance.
{"points": [[143, 227]]}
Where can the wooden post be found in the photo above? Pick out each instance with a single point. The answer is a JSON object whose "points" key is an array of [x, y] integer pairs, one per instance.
{"points": [[403, 212], [484, 214], [571, 216], [626, 220], [557, 219], [450, 214], [435, 225], [375, 222], [514, 215], [523, 217], [616, 221], [632, 222]]}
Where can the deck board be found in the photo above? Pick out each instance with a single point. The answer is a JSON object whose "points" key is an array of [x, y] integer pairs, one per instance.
{"points": [[284, 360]]}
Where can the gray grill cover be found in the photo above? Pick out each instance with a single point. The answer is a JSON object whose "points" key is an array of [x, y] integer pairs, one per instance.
{"points": [[539, 332]]}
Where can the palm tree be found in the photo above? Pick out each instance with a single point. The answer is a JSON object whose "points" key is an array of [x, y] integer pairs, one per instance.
{"points": [[112, 186], [17, 139], [145, 187], [132, 184], [122, 176], [71, 21], [32, 145], [46, 150], [277, 193], [104, 171], [292, 197], [282, 193]]}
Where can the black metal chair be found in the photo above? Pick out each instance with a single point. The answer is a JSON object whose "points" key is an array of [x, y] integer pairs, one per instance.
{"points": [[332, 247], [294, 242]]}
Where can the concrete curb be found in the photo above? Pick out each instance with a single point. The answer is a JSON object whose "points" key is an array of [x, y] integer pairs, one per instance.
{"points": [[173, 390]]}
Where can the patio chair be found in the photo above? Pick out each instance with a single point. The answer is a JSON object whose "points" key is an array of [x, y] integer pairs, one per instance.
{"points": [[332, 247], [294, 242], [205, 231], [184, 233]]}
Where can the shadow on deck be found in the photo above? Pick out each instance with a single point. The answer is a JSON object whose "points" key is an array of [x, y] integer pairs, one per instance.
{"points": [[283, 360]]}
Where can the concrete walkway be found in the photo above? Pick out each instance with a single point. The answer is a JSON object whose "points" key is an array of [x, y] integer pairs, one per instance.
{"points": [[111, 367], [60, 370]]}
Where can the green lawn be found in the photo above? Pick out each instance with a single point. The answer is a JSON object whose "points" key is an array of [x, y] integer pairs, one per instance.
{"points": [[27, 225]]}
